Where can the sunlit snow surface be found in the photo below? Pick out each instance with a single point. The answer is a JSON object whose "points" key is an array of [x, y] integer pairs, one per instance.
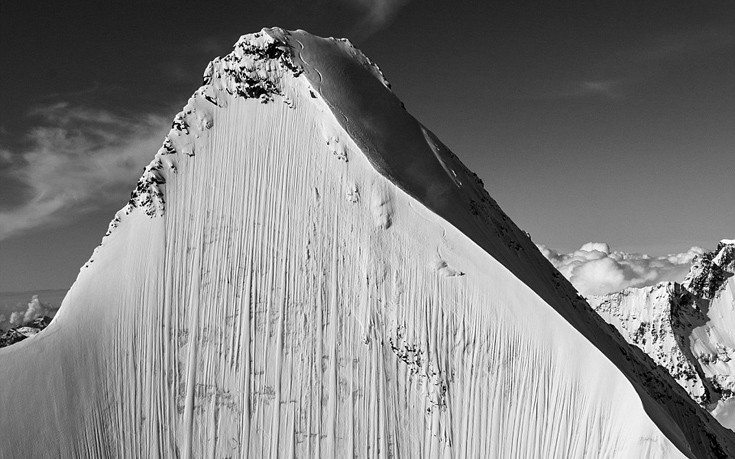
{"points": [[306, 271]]}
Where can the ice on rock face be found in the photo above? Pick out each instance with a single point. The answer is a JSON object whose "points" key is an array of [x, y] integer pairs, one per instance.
{"points": [[261, 296]]}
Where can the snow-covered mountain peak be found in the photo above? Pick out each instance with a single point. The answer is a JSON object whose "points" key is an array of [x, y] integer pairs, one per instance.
{"points": [[687, 328], [305, 270], [257, 68], [658, 319], [710, 271]]}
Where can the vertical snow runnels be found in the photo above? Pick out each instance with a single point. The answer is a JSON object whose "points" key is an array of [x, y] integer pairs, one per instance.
{"points": [[276, 441], [320, 290], [333, 335], [191, 370], [245, 355]]}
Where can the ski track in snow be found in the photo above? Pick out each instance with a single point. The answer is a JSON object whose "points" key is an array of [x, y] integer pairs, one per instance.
{"points": [[263, 314]]}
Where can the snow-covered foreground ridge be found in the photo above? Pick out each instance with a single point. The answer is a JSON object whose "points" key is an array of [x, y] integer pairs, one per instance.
{"points": [[688, 328], [305, 270]]}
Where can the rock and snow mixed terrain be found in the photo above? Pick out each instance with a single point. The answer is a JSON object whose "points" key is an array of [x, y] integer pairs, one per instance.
{"points": [[688, 328], [26, 330], [305, 270], [23, 322], [16, 309]]}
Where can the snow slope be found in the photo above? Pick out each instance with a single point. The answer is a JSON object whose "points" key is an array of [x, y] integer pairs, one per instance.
{"points": [[305, 270]]}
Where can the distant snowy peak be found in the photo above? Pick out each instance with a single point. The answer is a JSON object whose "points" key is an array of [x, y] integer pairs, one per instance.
{"points": [[658, 319], [687, 328], [711, 270]]}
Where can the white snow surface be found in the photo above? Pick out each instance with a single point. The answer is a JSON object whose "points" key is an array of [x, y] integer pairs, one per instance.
{"points": [[305, 270]]}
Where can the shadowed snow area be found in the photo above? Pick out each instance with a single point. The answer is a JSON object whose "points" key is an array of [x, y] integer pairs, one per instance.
{"points": [[305, 270]]}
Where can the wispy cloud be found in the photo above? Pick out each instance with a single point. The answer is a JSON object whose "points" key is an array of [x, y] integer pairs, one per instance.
{"points": [[616, 75], [604, 87], [607, 88], [92, 89], [682, 45], [380, 12], [595, 269], [77, 158], [376, 14], [35, 309]]}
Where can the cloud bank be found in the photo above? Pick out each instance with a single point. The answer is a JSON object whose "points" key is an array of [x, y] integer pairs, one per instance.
{"points": [[617, 74], [75, 159], [376, 14], [35, 309], [380, 12], [594, 269]]}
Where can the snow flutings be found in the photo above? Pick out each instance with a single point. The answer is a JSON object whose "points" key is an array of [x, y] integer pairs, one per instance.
{"points": [[289, 304]]}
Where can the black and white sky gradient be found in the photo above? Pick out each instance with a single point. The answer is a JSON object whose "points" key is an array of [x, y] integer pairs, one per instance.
{"points": [[588, 121]]}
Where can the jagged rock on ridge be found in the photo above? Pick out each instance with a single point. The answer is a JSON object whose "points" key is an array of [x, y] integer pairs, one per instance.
{"points": [[27, 330]]}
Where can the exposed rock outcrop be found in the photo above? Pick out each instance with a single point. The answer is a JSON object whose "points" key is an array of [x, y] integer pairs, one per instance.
{"points": [[27, 330]]}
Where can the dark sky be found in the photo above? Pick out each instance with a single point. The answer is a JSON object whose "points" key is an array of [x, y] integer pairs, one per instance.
{"points": [[588, 121]]}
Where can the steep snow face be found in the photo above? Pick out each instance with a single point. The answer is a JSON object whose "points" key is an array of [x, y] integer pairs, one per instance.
{"points": [[687, 328], [305, 270]]}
